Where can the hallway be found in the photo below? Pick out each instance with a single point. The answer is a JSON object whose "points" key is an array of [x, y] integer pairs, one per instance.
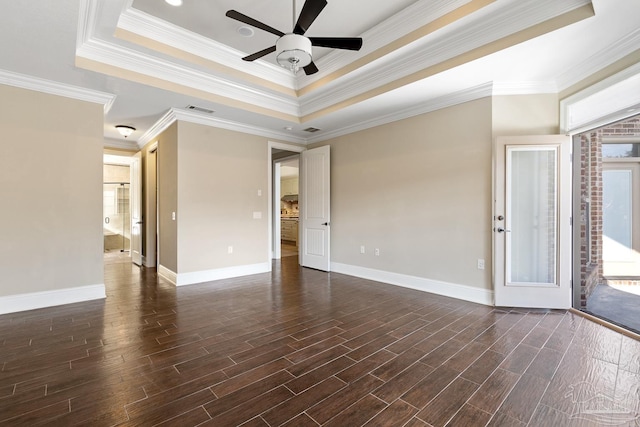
{"points": [[300, 347]]}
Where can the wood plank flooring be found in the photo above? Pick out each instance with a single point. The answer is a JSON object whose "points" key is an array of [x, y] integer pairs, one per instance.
{"points": [[299, 347]]}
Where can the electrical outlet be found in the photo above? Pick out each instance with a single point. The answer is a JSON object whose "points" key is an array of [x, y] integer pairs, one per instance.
{"points": [[173, 216], [480, 264], [259, 193], [377, 251], [230, 249], [362, 249]]}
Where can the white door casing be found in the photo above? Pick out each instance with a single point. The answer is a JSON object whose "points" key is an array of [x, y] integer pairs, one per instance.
{"points": [[532, 222], [315, 230], [136, 208]]}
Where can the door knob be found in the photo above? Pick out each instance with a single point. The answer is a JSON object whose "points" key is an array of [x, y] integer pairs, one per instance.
{"points": [[502, 230], [325, 223]]}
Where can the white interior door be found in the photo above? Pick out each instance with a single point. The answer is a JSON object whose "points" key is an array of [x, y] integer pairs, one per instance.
{"points": [[136, 208], [314, 208], [532, 222]]}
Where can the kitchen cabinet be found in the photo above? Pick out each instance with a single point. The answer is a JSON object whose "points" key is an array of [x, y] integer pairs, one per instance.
{"points": [[289, 186], [289, 230]]}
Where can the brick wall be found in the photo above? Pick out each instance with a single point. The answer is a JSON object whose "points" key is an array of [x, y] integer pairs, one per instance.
{"points": [[591, 201]]}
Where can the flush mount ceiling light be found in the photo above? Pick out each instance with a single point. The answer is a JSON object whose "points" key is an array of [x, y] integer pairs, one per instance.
{"points": [[125, 130], [174, 2], [294, 49]]}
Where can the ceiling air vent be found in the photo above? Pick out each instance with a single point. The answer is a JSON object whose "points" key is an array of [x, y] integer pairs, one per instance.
{"points": [[200, 109], [311, 130]]}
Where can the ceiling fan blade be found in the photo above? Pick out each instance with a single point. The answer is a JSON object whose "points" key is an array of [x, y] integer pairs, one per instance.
{"points": [[260, 54], [309, 13], [234, 14], [310, 69], [349, 43]]}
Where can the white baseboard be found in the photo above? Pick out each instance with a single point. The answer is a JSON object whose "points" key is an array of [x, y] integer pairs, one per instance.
{"points": [[462, 292], [183, 279], [31, 301], [167, 274], [149, 262]]}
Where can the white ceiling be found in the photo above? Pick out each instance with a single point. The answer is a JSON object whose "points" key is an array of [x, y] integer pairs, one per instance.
{"points": [[416, 57]]}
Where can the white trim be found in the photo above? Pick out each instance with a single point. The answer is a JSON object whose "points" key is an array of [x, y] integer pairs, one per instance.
{"points": [[148, 26], [270, 204], [24, 81], [471, 94], [108, 53], [115, 143], [402, 23], [452, 290], [598, 60], [167, 274], [157, 128], [31, 301], [443, 45], [602, 103], [195, 277], [203, 119], [524, 88]]}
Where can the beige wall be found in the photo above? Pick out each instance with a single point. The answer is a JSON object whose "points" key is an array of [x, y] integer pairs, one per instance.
{"points": [[420, 191], [219, 175], [51, 192], [515, 115], [168, 197]]}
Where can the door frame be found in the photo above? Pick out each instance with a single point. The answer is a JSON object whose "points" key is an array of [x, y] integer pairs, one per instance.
{"points": [[272, 217], [151, 256]]}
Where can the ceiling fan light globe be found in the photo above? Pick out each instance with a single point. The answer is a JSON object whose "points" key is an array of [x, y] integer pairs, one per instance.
{"points": [[293, 52]]}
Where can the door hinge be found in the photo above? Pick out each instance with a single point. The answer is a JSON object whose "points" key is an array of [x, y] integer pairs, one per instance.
{"points": [[571, 220]]}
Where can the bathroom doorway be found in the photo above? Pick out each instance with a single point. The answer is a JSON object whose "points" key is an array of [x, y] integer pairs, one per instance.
{"points": [[116, 212]]}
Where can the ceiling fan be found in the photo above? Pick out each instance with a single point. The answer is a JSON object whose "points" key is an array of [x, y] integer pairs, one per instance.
{"points": [[294, 49]]}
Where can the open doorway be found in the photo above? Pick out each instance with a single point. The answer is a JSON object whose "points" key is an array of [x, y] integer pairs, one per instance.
{"points": [[116, 224], [610, 227], [122, 217], [284, 160], [289, 208], [286, 211]]}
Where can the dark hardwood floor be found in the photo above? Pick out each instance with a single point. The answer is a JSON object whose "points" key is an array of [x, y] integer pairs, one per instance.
{"points": [[300, 347]]}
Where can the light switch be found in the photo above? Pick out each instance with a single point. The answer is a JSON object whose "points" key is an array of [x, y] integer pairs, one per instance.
{"points": [[173, 216]]}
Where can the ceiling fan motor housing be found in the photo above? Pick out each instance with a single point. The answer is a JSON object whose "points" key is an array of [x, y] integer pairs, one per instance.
{"points": [[293, 49]]}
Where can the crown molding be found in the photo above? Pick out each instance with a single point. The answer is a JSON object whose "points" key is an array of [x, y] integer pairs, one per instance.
{"points": [[430, 51], [599, 60], [524, 88], [122, 145], [148, 26], [176, 114], [105, 52], [157, 128], [402, 23], [23, 81], [460, 97]]}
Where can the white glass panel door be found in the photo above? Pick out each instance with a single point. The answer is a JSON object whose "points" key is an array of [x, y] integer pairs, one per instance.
{"points": [[620, 216], [616, 203], [532, 229]]}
